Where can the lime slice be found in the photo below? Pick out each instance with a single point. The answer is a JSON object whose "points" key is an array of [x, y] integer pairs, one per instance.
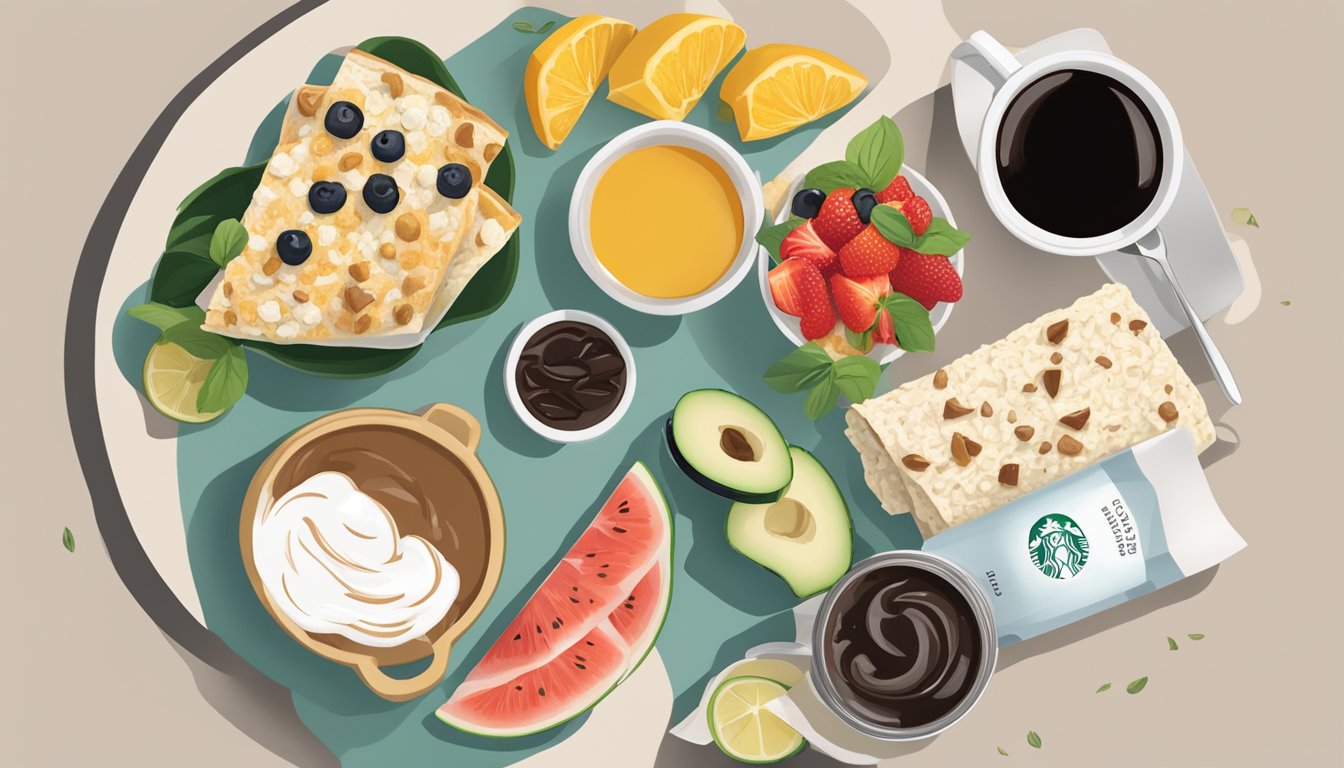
{"points": [[172, 378], [743, 728]]}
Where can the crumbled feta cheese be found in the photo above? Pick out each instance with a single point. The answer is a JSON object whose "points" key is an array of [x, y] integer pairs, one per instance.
{"points": [[326, 234], [305, 130], [269, 311], [375, 103], [287, 277], [353, 180], [438, 220], [282, 166], [257, 243], [492, 234], [427, 176], [438, 120], [413, 101], [287, 330], [326, 279], [299, 152], [297, 188], [262, 279], [264, 195], [308, 314], [416, 141], [404, 173], [306, 218], [413, 119], [392, 296]]}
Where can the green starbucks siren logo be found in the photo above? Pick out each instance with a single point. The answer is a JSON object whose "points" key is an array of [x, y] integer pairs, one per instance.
{"points": [[1058, 547]]}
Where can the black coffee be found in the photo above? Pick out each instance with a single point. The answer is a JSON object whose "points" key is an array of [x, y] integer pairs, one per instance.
{"points": [[1079, 154]]}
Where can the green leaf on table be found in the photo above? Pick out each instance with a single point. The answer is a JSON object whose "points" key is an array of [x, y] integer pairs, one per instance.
{"points": [[228, 241], [878, 152], [180, 277], [225, 382], [910, 320], [68, 540], [524, 26], [544, 28], [163, 317], [199, 343], [1034, 739], [772, 235], [800, 369], [188, 228], [1244, 216], [837, 173], [1003, 751], [941, 238], [822, 399], [1104, 687], [1286, 303], [1171, 644], [893, 225], [856, 377], [1137, 685], [1195, 636]]}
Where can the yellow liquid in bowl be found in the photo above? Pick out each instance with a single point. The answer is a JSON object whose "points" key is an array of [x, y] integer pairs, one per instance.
{"points": [[666, 221]]}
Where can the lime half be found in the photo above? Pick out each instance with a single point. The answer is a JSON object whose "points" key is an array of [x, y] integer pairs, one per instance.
{"points": [[743, 728], [173, 378]]}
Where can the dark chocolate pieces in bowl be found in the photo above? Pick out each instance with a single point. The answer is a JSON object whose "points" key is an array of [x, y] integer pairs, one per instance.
{"points": [[570, 375]]}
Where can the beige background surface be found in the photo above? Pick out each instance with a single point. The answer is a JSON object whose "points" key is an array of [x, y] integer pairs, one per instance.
{"points": [[92, 681]]}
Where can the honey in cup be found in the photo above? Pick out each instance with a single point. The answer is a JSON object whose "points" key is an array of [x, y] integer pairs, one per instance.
{"points": [[666, 221]]}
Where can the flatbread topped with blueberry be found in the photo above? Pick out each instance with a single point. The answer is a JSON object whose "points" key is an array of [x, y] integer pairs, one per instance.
{"points": [[368, 199]]}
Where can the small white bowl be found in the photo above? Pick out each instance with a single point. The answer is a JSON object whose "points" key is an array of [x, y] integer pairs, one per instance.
{"points": [[663, 133], [791, 326], [511, 384]]}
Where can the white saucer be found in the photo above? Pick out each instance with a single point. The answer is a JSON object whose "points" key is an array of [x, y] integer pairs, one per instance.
{"points": [[1200, 254]]}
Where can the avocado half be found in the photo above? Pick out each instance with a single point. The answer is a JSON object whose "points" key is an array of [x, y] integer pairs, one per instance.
{"points": [[726, 444], [805, 537]]}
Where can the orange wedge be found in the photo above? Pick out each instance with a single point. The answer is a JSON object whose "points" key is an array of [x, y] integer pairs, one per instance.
{"points": [[564, 71], [670, 63], [776, 88]]}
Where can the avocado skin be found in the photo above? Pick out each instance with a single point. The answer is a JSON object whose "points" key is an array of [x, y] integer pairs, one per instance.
{"points": [[712, 486]]}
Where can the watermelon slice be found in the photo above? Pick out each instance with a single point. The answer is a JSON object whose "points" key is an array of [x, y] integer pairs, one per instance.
{"points": [[585, 629]]}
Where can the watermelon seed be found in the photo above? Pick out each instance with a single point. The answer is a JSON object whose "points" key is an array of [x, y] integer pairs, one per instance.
{"points": [[538, 629], [591, 554], [580, 666], [574, 589], [574, 600], [631, 607], [618, 529], [555, 625], [518, 636], [580, 658], [588, 642], [590, 601], [517, 687], [541, 691], [601, 575]]}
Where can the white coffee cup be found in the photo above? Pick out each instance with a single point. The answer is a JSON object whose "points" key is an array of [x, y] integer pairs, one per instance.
{"points": [[1009, 77]]}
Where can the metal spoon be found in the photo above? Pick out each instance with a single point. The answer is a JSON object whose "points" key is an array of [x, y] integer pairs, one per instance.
{"points": [[1151, 246]]}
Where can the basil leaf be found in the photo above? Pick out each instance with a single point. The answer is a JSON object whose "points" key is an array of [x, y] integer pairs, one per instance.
{"points": [[821, 400], [1104, 687], [799, 370], [1195, 636], [544, 28], [911, 322], [68, 540], [180, 277], [838, 173], [941, 238], [1003, 752], [225, 382], [878, 151], [201, 344], [1137, 685], [227, 242], [1171, 644], [164, 317], [856, 377], [523, 26], [860, 341], [893, 225], [1034, 739], [188, 228], [772, 235]]}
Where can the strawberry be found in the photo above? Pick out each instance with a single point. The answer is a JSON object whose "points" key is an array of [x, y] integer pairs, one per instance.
{"points": [[885, 332], [857, 300], [838, 222], [916, 211], [926, 279], [784, 287], [870, 254], [898, 191], [803, 242]]}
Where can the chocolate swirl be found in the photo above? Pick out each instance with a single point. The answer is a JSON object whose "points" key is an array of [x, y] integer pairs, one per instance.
{"points": [[903, 647]]}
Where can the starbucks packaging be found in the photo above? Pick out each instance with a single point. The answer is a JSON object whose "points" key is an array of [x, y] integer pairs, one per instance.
{"points": [[1128, 525]]}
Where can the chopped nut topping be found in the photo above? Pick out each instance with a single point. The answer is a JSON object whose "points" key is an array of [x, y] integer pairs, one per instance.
{"points": [[1051, 379], [1113, 427], [465, 135], [394, 84], [1103, 361], [363, 322], [1167, 411], [1136, 326], [492, 151], [444, 100], [357, 298], [387, 251], [228, 290], [986, 410], [1077, 419], [953, 409], [403, 313], [301, 297], [350, 161], [1012, 417], [408, 227], [412, 284], [230, 317], [308, 98], [1168, 389], [1056, 358], [360, 271], [1115, 318], [1008, 474], [1057, 331], [915, 462], [271, 266], [963, 448], [1024, 432], [1070, 447], [940, 379], [1045, 448], [1028, 387]]}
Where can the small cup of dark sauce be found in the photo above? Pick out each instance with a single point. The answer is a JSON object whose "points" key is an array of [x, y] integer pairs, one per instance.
{"points": [[569, 376], [904, 646]]}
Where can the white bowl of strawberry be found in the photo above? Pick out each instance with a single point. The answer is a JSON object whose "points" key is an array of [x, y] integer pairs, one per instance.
{"points": [[864, 258]]}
